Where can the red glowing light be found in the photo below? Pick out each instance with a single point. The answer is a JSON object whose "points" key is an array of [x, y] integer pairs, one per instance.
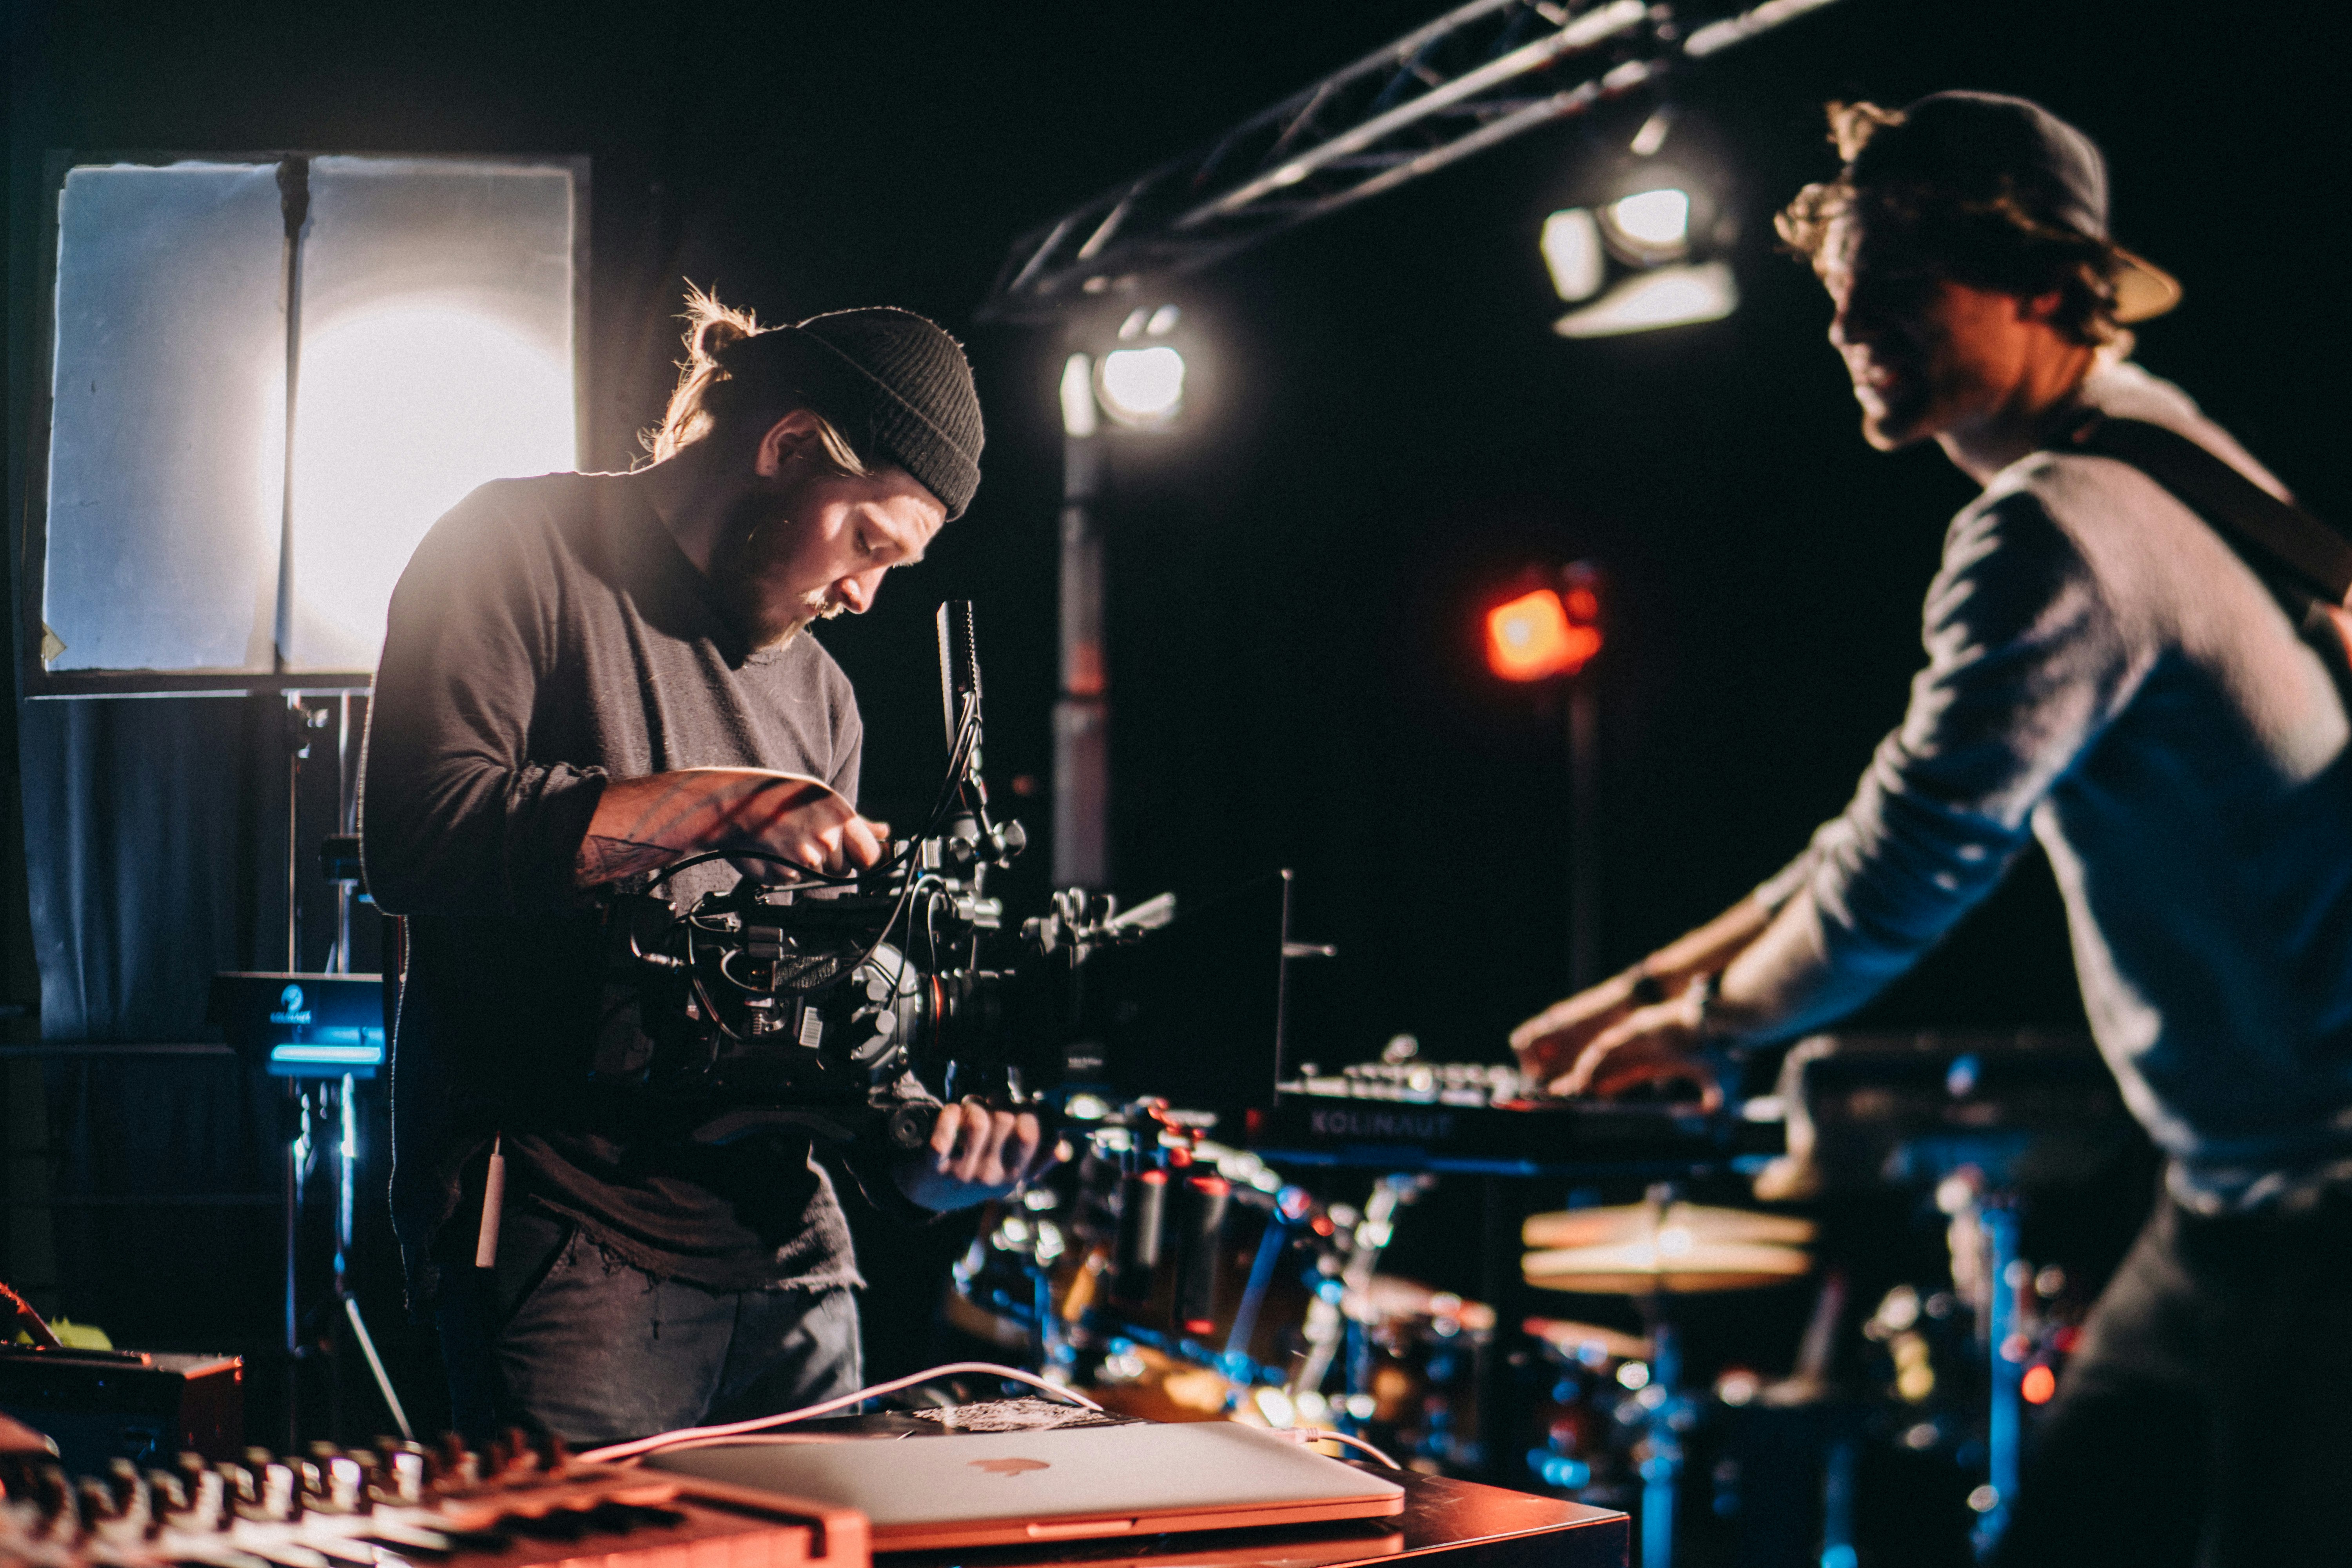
{"points": [[2038, 1385], [1535, 637]]}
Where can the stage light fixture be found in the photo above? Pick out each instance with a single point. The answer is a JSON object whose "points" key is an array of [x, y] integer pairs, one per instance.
{"points": [[1649, 226], [1668, 297], [1535, 637], [1649, 249], [1142, 388], [1571, 253], [1141, 384]]}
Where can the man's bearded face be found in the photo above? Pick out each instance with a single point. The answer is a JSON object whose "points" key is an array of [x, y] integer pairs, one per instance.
{"points": [[757, 573], [808, 541]]}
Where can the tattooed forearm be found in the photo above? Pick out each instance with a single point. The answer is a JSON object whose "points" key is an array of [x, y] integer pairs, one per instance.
{"points": [[604, 859], [645, 823]]}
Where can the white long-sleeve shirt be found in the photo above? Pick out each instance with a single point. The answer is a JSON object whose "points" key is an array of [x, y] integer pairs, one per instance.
{"points": [[2106, 674]]}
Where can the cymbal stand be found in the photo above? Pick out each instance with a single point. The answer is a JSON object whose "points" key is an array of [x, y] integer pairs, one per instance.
{"points": [[1989, 1272], [1661, 1451], [1329, 1320]]}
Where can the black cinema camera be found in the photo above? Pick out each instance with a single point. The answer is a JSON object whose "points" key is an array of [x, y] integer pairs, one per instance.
{"points": [[855, 1006]]}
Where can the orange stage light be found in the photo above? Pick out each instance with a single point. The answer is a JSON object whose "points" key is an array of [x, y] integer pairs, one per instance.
{"points": [[2038, 1385], [1533, 637]]}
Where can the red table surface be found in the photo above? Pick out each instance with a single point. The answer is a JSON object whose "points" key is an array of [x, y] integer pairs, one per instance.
{"points": [[1446, 1523]]}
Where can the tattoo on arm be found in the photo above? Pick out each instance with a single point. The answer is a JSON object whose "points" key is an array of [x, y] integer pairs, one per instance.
{"points": [[604, 859]]}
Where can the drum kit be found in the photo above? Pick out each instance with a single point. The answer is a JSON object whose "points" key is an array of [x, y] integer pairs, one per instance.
{"points": [[1255, 1300], [1276, 1308], [1175, 1277]]}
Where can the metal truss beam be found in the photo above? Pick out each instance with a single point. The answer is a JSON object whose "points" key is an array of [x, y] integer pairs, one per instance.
{"points": [[1473, 79]]}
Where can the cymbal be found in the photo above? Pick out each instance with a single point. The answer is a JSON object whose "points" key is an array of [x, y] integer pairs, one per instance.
{"points": [[1391, 1296], [1672, 1263], [1587, 1342], [1632, 1222]]}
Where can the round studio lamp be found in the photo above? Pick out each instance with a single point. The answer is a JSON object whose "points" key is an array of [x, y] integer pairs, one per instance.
{"points": [[1138, 381], [1141, 389], [1651, 226]]}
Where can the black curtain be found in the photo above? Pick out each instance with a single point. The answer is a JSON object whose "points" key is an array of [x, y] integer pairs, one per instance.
{"points": [[150, 862]]}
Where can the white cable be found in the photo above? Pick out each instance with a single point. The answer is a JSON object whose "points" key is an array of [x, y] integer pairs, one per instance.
{"points": [[1309, 1436], [613, 1452]]}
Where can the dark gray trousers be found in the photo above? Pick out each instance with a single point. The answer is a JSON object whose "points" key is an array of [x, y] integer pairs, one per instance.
{"points": [[2206, 1417], [560, 1338]]}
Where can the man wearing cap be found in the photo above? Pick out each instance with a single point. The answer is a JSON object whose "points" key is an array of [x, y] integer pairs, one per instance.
{"points": [[2106, 675], [586, 678]]}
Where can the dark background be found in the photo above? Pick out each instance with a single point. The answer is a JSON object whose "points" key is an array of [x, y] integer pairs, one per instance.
{"points": [[1384, 437]]}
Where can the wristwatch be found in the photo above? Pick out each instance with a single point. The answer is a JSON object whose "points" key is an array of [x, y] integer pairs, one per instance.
{"points": [[1701, 991], [1724, 1052], [1645, 990]]}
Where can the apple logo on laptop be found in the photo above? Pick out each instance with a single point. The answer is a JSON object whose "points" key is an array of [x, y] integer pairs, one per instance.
{"points": [[1009, 1466]]}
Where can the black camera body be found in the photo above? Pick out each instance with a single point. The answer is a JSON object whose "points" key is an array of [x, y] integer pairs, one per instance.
{"points": [[856, 1007]]}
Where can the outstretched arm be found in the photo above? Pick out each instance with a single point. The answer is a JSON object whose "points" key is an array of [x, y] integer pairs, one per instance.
{"points": [[1548, 1043], [2028, 663]]}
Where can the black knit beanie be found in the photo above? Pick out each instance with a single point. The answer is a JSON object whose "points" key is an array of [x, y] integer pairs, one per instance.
{"points": [[896, 385]]}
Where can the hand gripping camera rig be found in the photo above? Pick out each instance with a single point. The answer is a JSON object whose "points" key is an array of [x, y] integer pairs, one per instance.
{"points": [[855, 1006]]}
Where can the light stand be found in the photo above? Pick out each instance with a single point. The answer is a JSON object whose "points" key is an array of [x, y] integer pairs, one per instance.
{"points": [[1552, 634], [324, 1103], [1584, 832], [1082, 707]]}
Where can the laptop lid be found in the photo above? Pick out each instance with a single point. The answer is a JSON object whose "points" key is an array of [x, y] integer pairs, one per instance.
{"points": [[1067, 1485]]}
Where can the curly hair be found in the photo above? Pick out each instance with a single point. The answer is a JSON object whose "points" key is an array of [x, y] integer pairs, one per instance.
{"points": [[1995, 244], [731, 394]]}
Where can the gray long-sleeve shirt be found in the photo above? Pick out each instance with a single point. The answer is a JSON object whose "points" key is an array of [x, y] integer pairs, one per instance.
{"points": [[2105, 674], [548, 635]]}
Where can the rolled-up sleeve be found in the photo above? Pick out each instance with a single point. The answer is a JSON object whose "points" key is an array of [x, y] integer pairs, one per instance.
{"points": [[455, 819], [2027, 665]]}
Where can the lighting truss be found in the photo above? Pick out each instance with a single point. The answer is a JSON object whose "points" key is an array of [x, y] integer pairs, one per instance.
{"points": [[1473, 79]]}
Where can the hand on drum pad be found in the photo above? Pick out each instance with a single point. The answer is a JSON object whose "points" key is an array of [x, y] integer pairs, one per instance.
{"points": [[976, 1153]]}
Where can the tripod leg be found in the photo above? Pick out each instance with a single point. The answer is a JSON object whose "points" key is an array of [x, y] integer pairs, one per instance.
{"points": [[375, 1367]]}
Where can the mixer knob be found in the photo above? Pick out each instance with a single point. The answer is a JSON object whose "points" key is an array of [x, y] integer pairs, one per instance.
{"points": [[347, 1486], [281, 1495], [166, 1493], [209, 1505], [401, 1471]]}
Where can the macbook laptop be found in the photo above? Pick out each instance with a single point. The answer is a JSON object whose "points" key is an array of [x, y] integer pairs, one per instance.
{"points": [[1068, 1485]]}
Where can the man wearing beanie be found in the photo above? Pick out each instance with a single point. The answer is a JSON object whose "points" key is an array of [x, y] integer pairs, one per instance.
{"points": [[2110, 674], [585, 678]]}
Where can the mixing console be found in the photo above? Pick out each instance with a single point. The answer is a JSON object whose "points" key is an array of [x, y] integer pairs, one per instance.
{"points": [[515, 1507]]}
